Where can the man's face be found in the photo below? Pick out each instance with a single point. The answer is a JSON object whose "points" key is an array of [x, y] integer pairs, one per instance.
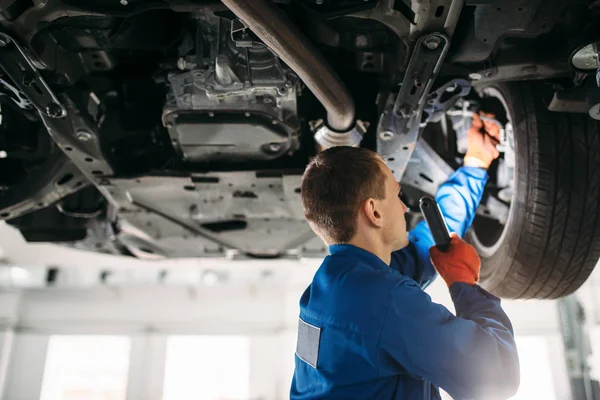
{"points": [[394, 221]]}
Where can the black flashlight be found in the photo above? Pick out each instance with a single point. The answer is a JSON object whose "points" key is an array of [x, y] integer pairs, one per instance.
{"points": [[433, 215]]}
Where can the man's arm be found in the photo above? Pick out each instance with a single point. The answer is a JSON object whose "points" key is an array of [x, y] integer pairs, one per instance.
{"points": [[471, 355], [458, 199]]}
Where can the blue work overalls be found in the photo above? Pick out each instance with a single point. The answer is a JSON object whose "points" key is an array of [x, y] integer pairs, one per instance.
{"points": [[368, 330]]}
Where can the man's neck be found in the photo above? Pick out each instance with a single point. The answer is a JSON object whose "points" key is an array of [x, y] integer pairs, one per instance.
{"points": [[380, 250]]}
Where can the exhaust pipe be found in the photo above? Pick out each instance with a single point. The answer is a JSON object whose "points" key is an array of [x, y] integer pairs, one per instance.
{"points": [[286, 40]]}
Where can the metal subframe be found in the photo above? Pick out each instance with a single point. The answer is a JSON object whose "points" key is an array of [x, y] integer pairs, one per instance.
{"points": [[79, 160], [72, 129], [57, 177]]}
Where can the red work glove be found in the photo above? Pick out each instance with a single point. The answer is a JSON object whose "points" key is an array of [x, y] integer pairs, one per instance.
{"points": [[459, 264], [482, 139]]}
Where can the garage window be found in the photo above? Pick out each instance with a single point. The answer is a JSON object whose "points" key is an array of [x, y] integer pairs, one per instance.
{"points": [[86, 367], [207, 367]]}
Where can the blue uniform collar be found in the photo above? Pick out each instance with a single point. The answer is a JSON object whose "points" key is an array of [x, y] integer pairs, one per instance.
{"points": [[350, 250]]}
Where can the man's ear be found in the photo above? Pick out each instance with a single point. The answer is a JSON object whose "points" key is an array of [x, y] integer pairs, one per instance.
{"points": [[372, 212]]}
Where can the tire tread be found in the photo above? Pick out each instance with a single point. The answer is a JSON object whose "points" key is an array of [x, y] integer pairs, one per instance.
{"points": [[559, 239]]}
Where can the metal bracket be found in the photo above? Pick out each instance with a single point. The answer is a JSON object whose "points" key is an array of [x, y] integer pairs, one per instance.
{"points": [[78, 138], [79, 163], [16, 95], [26, 77], [427, 170], [585, 58], [393, 144], [241, 35], [55, 179], [399, 126], [72, 131], [425, 63], [444, 98]]}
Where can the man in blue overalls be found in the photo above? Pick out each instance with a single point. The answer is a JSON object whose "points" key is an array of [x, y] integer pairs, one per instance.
{"points": [[367, 329]]}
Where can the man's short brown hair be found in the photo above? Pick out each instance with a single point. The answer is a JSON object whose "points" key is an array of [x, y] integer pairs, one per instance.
{"points": [[335, 184]]}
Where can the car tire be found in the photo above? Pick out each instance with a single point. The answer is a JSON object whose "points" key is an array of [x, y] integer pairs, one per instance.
{"points": [[551, 241]]}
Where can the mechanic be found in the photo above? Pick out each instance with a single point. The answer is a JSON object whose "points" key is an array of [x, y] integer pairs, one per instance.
{"points": [[367, 330]]}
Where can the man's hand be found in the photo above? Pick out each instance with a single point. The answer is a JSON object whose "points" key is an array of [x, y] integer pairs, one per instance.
{"points": [[482, 140], [459, 264]]}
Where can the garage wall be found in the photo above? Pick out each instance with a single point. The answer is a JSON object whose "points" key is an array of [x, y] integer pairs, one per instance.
{"points": [[6, 341], [26, 368], [163, 309], [266, 315]]}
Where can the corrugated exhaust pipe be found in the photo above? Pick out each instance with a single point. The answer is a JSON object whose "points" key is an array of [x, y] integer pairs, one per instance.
{"points": [[286, 40]]}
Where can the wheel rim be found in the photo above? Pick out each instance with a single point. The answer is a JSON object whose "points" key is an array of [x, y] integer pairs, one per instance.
{"points": [[488, 234]]}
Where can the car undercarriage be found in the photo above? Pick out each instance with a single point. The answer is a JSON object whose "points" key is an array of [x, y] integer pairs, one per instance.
{"points": [[164, 129]]}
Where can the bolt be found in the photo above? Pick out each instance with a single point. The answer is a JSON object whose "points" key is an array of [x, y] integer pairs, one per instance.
{"points": [[361, 41], [274, 147], [405, 111], [27, 79], [475, 76], [247, 114], [418, 83], [124, 2], [289, 84], [247, 84], [181, 64], [386, 135], [267, 100], [210, 89], [53, 110], [84, 136], [432, 42], [211, 114]]}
